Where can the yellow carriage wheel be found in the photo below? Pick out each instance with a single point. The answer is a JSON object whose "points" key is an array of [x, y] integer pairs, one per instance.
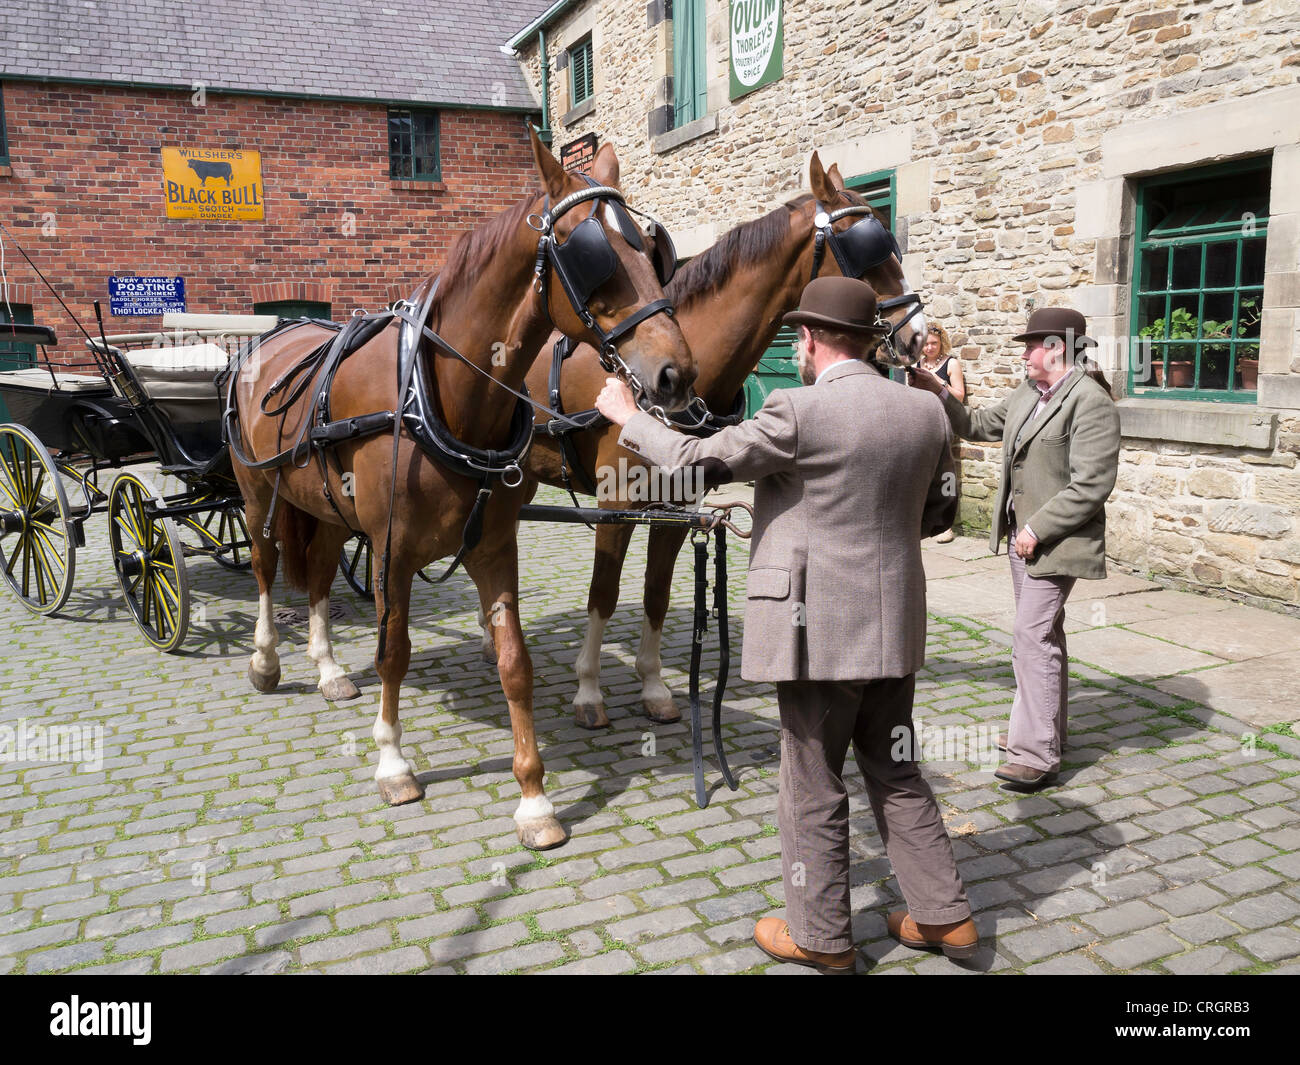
{"points": [[149, 561], [38, 554], [222, 531]]}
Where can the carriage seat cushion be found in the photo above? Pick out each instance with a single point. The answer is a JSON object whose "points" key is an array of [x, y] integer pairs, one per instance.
{"points": [[182, 381], [42, 380]]}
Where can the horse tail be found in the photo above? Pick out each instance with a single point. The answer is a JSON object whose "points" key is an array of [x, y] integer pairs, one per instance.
{"points": [[294, 529]]}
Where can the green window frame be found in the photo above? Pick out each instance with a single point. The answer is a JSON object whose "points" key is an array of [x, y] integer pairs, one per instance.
{"points": [[4, 136], [880, 189], [14, 356], [582, 82], [1198, 282], [293, 308], [414, 145], [690, 71]]}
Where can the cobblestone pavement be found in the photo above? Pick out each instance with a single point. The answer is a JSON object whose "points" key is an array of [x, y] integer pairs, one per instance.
{"points": [[234, 832]]}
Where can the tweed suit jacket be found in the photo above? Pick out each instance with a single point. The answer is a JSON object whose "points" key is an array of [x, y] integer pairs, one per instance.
{"points": [[849, 475], [1059, 471]]}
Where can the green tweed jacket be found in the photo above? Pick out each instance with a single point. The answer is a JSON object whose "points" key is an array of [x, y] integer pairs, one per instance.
{"points": [[1059, 471]]}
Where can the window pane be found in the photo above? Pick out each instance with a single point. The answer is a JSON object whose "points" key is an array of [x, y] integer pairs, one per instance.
{"points": [[1248, 315], [1252, 261], [1155, 269], [1221, 264], [1187, 266], [1151, 317]]}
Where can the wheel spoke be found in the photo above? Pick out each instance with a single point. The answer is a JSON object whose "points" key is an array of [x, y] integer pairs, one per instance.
{"points": [[51, 554], [166, 615]]}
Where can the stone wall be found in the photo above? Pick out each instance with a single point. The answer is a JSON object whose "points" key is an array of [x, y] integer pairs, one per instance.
{"points": [[1015, 131]]}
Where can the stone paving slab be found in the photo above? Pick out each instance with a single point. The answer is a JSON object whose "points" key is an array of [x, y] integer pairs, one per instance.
{"points": [[228, 831]]}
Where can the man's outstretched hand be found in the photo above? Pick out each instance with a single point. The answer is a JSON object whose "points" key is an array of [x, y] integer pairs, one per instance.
{"points": [[615, 401], [920, 377]]}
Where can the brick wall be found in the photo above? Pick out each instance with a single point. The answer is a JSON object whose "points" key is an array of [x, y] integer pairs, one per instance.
{"points": [[84, 196]]}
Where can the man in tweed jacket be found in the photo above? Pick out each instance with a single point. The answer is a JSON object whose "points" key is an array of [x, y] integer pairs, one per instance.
{"points": [[848, 475]]}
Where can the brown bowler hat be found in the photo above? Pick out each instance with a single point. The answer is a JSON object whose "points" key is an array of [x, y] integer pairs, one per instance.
{"points": [[1068, 325], [841, 303]]}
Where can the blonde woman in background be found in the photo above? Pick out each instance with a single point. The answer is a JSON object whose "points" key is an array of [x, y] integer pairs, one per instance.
{"points": [[937, 357]]}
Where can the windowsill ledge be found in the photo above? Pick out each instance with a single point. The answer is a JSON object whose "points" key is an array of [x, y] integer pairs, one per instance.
{"points": [[581, 111], [675, 138], [1195, 422], [418, 186]]}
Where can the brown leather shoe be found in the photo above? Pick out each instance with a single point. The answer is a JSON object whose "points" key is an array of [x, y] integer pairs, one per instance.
{"points": [[773, 937], [1024, 778], [957, 940]]}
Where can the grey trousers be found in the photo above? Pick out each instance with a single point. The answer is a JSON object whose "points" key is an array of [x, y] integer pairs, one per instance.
{"points": [[819, 719], [1039, 713]]}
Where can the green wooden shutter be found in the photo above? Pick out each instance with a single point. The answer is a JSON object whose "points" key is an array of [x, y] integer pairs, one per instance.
{"points": [[293, 309], [690, 73], [581, 71], [776, 369], [15, 356]]}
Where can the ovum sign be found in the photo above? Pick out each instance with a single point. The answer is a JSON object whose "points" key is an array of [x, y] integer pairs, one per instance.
{"points": [[757, 39]]}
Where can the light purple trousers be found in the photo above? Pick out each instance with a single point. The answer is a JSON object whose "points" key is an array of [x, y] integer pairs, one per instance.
{"points": [[1037, 733]]}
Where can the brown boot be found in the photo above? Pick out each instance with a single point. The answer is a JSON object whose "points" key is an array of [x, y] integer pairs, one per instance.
{"points": [[956, 940], [773, 936], [1025, 778]]}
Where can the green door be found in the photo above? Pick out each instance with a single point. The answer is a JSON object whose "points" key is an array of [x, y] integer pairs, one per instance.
{"points": [[15, 356], [294, 309], [776, 369]]}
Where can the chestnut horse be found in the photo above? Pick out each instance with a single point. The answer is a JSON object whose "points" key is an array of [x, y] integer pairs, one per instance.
{"points": [[501, 293], [729, 301]]}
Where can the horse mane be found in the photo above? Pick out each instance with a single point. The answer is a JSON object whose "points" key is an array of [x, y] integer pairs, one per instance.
{"points": [[474, 248], [747, 244]]}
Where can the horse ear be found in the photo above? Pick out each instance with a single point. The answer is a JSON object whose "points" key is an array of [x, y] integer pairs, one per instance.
{"points": [[819, 182], [836, 177], [552, 174], [605, 167]]}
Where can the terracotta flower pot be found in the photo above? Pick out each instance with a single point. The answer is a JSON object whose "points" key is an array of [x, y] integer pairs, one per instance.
{"points": [[1249, 371], [1181, 374]]}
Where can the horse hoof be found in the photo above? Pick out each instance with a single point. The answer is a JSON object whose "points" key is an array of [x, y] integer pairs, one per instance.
{"points": [[489, 654], [397, 791], [661, 711], [339, 690], [590, 715], [264, 682], [541, 833]]}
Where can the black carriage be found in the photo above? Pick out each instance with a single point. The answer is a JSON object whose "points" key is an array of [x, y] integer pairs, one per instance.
{"points": [[135, 398]]}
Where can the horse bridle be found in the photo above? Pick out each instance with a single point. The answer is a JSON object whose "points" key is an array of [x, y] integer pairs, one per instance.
{"points": [[864, 245], [586, 260]]}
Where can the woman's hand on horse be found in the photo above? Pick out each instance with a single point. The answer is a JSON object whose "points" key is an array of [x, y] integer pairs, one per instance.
{"points": [[615, 401], [920, 377]]}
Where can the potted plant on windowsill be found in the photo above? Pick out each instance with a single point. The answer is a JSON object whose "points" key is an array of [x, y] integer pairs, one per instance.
{"points": [[1248, 369], [1182, 326]]}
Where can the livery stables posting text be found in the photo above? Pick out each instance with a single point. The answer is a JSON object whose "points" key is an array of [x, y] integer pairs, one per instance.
{"points": [[213, 184]]}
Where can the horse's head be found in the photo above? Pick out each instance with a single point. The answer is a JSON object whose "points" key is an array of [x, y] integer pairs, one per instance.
{"points": [[860, 246], [602, 277]]}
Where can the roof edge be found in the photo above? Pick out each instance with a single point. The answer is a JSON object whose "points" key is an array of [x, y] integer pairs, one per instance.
{"points": [[540, 22], [276, 94]]}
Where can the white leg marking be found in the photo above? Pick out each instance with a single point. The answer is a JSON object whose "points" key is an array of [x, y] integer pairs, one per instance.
{"points": [[319, 648], [489, 648], [532, 809], [265, 637], [389, 740], [649, 665], [588, 664]]}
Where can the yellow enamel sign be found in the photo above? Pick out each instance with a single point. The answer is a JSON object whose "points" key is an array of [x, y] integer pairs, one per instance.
{"points": [[215, 184]]}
